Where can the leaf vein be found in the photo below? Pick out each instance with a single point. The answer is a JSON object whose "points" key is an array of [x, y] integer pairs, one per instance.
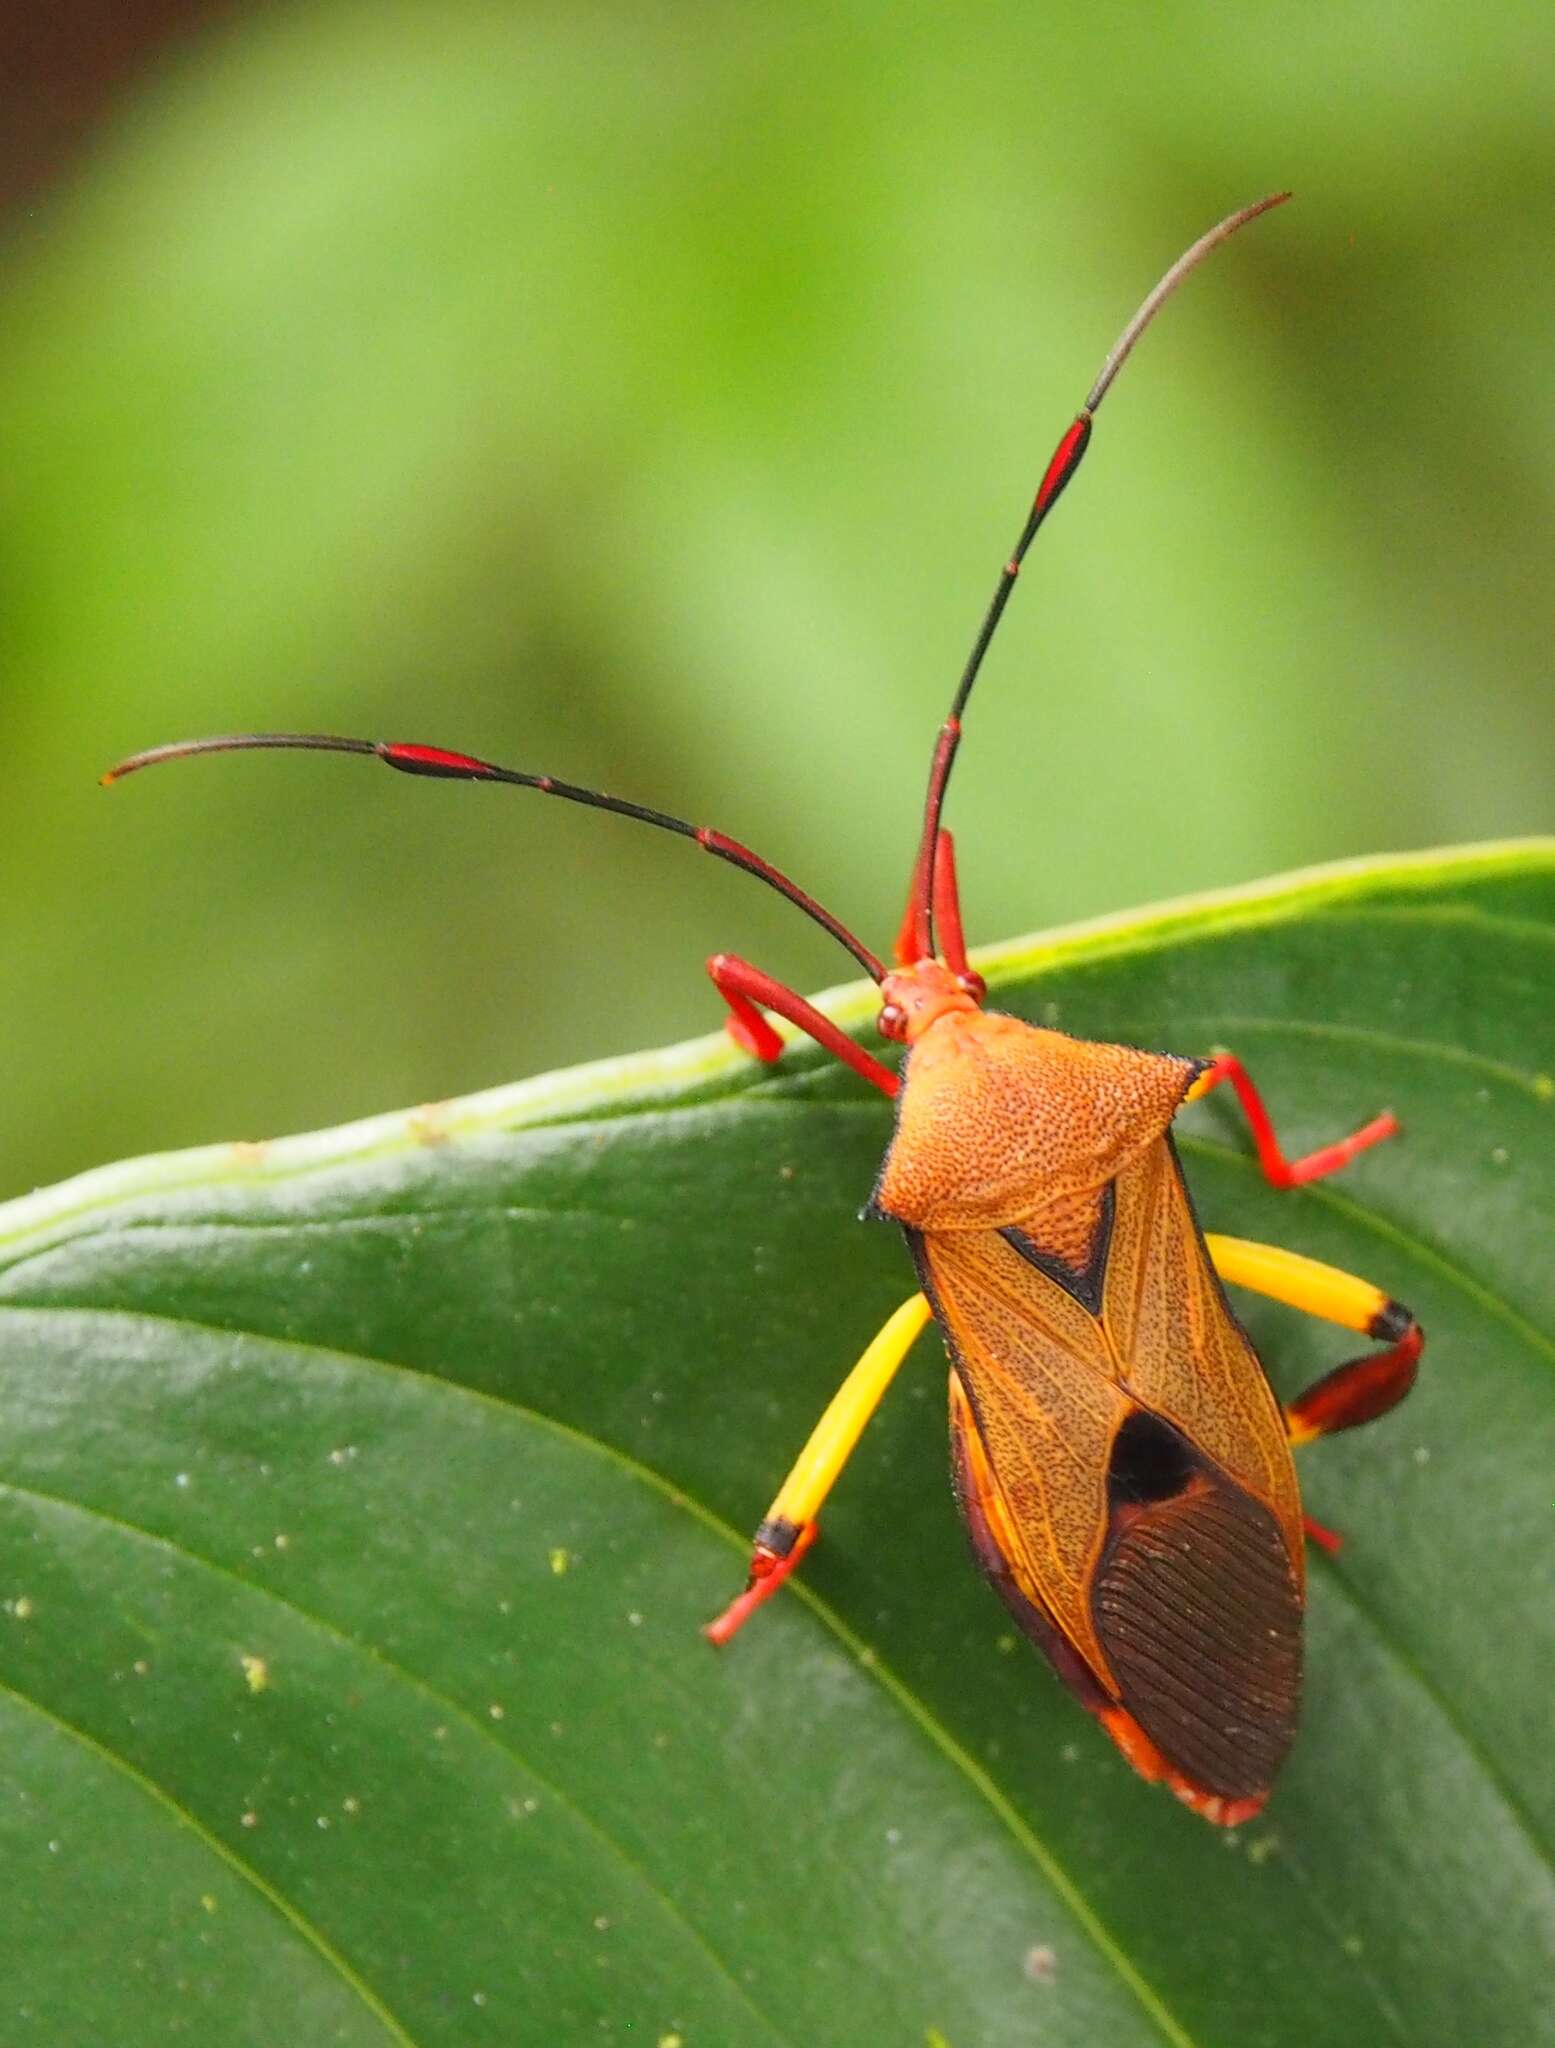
{"points": [[928, 1723], [277, 1900], [440, 1699]]}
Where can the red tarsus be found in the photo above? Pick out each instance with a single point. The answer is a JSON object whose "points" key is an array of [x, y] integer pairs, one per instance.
{"points": [[767, 1574]]}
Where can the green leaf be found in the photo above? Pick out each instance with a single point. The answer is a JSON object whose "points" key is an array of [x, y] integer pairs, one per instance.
{"points": [[362, 1494]]}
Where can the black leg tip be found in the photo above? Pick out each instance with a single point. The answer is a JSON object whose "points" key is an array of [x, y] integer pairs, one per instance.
{"points": [[1391, 1324]]}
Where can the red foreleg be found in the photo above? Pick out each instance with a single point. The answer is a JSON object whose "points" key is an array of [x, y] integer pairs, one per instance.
{"points": [[1280, 1171], [743, 987]]}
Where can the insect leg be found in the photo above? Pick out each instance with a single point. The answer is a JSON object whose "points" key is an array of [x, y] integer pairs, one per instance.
{"points": [[1361, 1389], [743, 987], [1283, 1172], [788, 1528]]}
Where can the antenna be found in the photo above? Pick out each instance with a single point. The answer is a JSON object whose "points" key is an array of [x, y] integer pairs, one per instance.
{"points": [[916, 939], [417, 760]]}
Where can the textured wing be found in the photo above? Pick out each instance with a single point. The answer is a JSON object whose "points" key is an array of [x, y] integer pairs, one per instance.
{"points": [[1199, 1611], [1195, 1606], [1041, 1384], [1179, 1350], [1123, 1469]]}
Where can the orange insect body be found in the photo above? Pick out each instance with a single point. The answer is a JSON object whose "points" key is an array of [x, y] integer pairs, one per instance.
{"points": [[1122, 1465], [1121, 1462]]}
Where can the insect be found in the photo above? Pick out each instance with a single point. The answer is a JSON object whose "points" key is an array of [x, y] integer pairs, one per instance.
{"points": [[1122, 1464]]}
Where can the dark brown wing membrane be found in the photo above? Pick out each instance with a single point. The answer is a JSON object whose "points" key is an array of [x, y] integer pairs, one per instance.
{"points": [[1199, 1613]]}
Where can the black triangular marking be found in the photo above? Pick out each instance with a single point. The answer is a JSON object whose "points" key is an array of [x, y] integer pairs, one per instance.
{"points": [[1083, 1285]]}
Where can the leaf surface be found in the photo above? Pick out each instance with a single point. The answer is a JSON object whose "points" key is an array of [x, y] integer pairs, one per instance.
{"points": [[361, 1495]]}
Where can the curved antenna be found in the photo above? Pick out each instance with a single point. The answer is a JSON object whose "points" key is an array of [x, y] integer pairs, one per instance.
{"points": [[916, 940], [417, 760]]}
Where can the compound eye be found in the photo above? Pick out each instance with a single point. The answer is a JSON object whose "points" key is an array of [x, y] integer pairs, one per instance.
{"points": [[972, 985], [892, 1021]]}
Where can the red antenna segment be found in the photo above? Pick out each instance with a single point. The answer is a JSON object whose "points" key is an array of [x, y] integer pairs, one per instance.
{"points": [[932, 896], [411, 759], [916, 940]]}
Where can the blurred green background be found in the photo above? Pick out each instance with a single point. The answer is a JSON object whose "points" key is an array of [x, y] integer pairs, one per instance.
{"points": [[650, 395]]}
